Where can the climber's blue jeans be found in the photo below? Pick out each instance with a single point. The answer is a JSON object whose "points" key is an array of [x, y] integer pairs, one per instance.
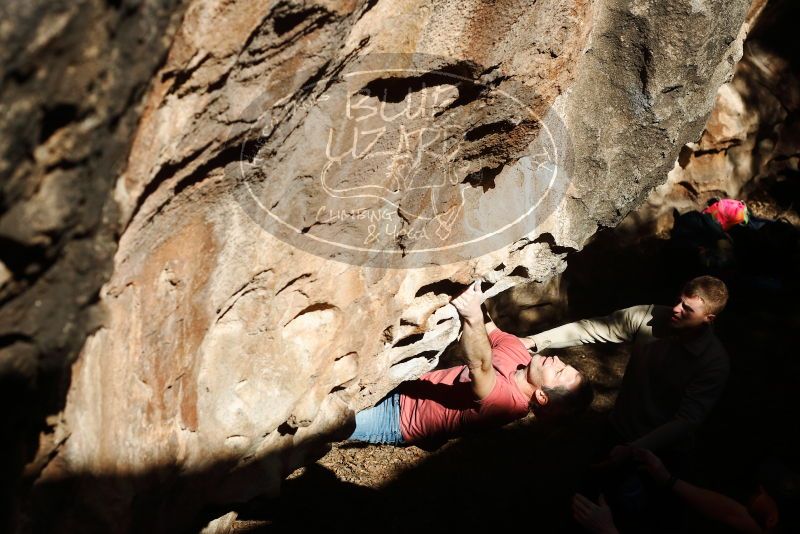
{"points": [[381, 423]]}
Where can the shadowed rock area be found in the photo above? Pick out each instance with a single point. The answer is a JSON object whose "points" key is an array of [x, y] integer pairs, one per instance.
{"points": [[295, 191], [72, 79]]}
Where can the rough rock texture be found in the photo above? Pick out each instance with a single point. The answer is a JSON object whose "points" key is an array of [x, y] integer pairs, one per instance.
{"points": [[71, 77], [227, 355], [751, 143], [747, 148]]}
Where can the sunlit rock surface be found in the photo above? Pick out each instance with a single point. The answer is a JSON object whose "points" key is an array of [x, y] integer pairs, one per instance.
{"points": [[231, 347]]}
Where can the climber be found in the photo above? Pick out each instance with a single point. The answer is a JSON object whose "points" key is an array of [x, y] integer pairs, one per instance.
{"points": [[500, 382], [675, 375]]}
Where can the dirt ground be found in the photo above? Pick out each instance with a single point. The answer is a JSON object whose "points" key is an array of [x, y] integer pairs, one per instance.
{"points": [[523, 475]]}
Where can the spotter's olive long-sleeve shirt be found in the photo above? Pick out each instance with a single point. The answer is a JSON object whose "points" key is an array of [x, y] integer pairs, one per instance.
{"points": [[670, 385]]}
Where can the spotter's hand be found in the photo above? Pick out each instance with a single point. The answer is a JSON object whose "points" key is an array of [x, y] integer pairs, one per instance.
{"points": [[593, 517]]}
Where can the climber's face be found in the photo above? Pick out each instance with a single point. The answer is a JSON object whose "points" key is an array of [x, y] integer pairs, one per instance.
{"points": [[551, 372]]}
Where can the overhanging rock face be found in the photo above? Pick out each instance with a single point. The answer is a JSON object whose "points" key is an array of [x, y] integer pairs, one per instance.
{"points": [[750, 142], [311, 183]]}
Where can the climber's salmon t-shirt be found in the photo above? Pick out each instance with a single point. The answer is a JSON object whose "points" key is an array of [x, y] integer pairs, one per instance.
{"points": [[441, 403]]}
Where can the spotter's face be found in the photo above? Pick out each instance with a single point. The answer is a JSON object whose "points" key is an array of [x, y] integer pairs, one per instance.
{"points": [[689, 313]]}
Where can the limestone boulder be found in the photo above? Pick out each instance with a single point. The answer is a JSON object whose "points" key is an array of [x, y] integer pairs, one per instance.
{"points": [[308, 186]]}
